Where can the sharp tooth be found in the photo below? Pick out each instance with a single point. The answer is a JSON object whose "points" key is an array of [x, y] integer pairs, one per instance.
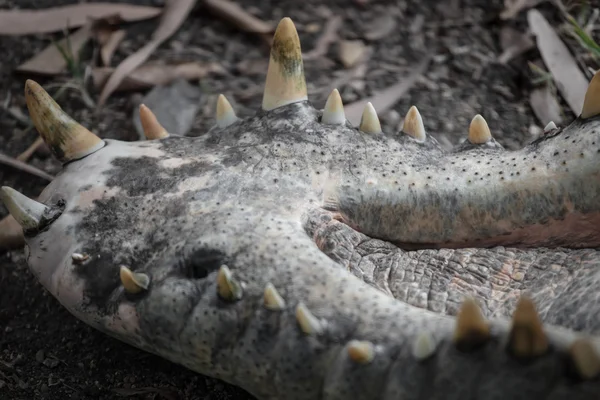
{"points": [[227, 287], [550, 127], [361, 352], [28, 213], [272, 299], [225, 114], [585, 358], [424, 346], [413, 124], [472, 330], [66, 138], [152, 128], [527, 338], [369, 122], [133, 282], [479, 131], [333, 114], [285, 78], [309, 324], [591, 103]]}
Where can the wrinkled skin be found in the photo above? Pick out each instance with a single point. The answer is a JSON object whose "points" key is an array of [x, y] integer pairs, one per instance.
{"points": [[323, 213]]}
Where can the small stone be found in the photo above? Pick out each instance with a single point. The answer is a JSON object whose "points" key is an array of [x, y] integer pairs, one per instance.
{"points": [[43, 388], [8, 329], [51, 362], [40, 356]]}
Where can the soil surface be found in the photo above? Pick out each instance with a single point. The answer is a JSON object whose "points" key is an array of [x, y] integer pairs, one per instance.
{"points": [[45, 353]]}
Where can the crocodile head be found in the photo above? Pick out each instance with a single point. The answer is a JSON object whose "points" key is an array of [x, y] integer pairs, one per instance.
{"points": [[297, 256]]}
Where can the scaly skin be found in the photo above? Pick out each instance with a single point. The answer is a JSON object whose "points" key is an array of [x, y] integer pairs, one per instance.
{"points": [[283, 199]]}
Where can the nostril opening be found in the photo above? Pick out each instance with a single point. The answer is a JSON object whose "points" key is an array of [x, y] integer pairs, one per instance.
{"points": [[200, 263]]}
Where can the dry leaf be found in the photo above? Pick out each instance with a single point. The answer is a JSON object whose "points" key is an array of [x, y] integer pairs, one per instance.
{"points": [[11, 234], [351, 52], [50, 61], [108, 36], [327, 38], [545, 105], [512, 8], [233, 13], [514, 43], [152, 74], [175, 13], [569, 79], [385, 99], [25, 22], [382, 27]]}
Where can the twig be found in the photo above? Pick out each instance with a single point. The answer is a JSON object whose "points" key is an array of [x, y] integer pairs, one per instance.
{"points": [[20, 165], [26, 155], [327, 38]]}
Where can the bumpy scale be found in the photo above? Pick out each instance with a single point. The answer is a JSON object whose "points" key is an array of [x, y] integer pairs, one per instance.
{"points": [[224, 252]]}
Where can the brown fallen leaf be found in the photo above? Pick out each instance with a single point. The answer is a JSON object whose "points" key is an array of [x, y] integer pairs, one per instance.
{"points": [[351, 52], [512, 8], [20, 165], [385, 99], [545, 105], [11, 234], [569, 79], [328, 37], [381, 27], [153, 74], [175, 12], [108, 36], [233, 13], [513, 43], [25, 22], [51, 61], [35, 146]]}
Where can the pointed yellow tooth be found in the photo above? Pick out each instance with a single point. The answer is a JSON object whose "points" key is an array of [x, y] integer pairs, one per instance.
{"points": [[591, 102], [309, 324], [272, 299], [424, 346], [66, 138], [586, 358], [152, 128], [369, 122], [479, 131], [361, 351], [527, 338], [225, 114], [472, 330], [550, 127], [333, 113], [285, 82], [133, 282], [227, 287], [28, 213], [413, 124]]}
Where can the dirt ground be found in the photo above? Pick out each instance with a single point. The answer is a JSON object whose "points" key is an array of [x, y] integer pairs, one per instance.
{"points": [[45, 353]]}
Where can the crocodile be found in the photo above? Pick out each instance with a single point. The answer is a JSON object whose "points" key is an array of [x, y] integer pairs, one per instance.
{"points": [[297, 256]]}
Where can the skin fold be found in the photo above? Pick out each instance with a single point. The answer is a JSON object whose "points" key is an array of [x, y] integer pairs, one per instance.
{"points": [[372, 242]]}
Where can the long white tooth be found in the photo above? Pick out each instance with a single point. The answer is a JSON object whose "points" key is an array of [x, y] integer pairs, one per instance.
{"points": [[550, 127], [413, 124], [152, 128], [225, 114], [285, 82], [333, 114], [591, 103], [309, 324], [369, 122], [227, 287], [272, 299], [361, 351], [133, 282], [479, 131], [424, 346], [28, 213]]}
